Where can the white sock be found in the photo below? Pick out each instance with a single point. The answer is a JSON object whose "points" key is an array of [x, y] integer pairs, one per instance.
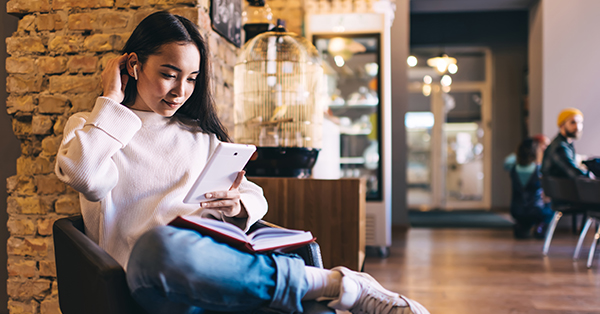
{"points": [[322, 283]]}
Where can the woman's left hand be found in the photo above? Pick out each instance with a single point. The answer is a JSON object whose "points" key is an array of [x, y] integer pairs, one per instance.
{"points": [[227, 202]]}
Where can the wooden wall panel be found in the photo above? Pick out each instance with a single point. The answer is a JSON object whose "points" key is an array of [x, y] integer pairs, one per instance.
{"points": [[333, 210]]}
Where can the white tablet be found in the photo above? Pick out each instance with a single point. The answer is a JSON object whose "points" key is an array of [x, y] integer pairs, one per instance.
{"points": [[220, 171]]}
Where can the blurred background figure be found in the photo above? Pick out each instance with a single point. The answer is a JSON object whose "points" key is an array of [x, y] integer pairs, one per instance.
{"points": [[528, 205]]}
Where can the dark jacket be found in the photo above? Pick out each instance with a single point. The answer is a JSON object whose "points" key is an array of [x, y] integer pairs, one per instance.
{"points": [[559, 159]]}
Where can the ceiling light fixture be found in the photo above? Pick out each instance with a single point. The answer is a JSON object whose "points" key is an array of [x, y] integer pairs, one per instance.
{"points": [[443, 63]]}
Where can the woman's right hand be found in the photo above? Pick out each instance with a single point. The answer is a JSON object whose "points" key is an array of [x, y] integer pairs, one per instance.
{"points": [[113, 81]]}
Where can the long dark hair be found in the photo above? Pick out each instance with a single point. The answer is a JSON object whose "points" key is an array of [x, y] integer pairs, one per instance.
{"points": [[527, 151], [162, 28]]}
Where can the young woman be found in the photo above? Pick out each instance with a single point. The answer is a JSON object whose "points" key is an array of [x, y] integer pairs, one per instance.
{"points": [[134, 157]]}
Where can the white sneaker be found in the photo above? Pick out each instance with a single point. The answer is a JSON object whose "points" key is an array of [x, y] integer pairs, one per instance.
{"points": [[362, 294]]}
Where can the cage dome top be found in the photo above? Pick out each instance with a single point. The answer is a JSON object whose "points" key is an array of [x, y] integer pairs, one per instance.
{"points": [[279, 45]]}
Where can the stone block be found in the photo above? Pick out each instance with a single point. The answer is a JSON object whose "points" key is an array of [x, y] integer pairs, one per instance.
{"points": [[48, 269], [34, 165], [52, 65], [189, 13], [23, 104], [24, 205], [105, 42], [30, 146], [21, 128], [12, 183], [68, 4], [113, 20], [25, 307], [23, 84], [74, 84], [47, 202], [50, 22], [85, 64], [41, 125], [82, 21], [67, 204], [59, 125], [21, 185], [50, 144], [35, 247], [21, 268], [21, 227], [24, 45], [25, 289], [23, 65], [49, 184], [27, 6], [83, 102], [44, 226], [66, 44], [164, 2], [50, 306], [52, 104], [27, 23]]}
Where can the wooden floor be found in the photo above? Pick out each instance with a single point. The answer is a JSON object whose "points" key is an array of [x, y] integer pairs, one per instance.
{"points": [[468, 271]]}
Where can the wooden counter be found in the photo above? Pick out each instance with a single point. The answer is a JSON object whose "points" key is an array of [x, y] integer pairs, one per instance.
{"points": [[333, 210]]}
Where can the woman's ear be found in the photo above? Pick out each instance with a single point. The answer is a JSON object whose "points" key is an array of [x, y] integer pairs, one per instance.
{"points": [[132, 65]]}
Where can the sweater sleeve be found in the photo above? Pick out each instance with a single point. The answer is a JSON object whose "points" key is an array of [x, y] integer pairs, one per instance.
{"points": [[90, 140]]}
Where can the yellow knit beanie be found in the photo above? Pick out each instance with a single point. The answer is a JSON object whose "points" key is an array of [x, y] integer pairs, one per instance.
{"points": [[566, 113]]}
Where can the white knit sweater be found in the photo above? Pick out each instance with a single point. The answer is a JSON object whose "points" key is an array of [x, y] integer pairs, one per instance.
{"points": [[133, 169]]}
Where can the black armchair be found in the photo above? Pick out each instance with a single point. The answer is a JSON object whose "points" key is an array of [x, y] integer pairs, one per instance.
{"points": [[91, 281], [565, 200]]}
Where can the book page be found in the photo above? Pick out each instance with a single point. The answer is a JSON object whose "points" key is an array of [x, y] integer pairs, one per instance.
{"points": [[220, 226], [267, 238]]}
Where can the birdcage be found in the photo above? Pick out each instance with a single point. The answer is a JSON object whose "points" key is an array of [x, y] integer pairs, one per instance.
{"points": [[277, 103]]}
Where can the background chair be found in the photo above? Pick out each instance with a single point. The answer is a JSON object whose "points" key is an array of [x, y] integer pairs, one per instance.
{"points": [[90, 281], [565, 200], [589, 194]]}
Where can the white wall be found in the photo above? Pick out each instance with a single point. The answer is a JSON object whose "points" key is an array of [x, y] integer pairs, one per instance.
{"points": [[571, 72]]}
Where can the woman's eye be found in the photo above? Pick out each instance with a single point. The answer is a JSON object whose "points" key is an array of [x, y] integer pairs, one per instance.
{"points": [[192, 79], [168, 75]]}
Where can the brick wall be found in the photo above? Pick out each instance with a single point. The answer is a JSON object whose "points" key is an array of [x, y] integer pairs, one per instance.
{"points": [[54, 65]]}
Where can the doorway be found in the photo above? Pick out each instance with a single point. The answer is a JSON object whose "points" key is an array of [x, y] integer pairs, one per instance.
{"points": [[449, 133]]}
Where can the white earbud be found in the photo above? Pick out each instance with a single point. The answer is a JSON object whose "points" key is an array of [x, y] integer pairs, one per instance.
{"points": [[135, 72]]}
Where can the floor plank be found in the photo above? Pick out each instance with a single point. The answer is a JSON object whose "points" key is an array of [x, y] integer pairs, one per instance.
{"points": [[468, 271]]}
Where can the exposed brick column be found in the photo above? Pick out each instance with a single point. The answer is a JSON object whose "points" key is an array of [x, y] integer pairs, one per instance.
{"points": [[56, 57]]}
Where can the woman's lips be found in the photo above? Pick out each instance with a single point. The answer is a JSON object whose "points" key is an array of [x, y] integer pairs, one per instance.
{"points": [[172, 104]]}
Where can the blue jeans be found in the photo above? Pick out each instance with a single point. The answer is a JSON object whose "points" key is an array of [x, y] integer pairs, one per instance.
{"points": [[173, 270]]}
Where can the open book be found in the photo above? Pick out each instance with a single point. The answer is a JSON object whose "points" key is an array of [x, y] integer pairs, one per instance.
{"points": [[261, 240]]}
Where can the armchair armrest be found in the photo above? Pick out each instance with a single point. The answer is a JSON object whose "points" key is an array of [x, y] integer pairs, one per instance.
{"points": [[310, 253]]}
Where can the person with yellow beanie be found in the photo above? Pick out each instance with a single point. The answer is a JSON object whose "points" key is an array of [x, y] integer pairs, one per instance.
{"points": [[559, 156]]}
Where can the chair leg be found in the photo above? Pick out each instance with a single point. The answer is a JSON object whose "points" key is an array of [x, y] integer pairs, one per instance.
{"points": [[550, 231], [593, 248], [584, 232]]}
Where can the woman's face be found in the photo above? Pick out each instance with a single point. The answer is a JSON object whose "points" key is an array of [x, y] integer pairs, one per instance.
{"points": [[167, 79]]}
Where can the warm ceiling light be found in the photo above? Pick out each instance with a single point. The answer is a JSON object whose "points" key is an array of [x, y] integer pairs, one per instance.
{"points": [[452, 68], [441, 63], [412, 61], [446, 80]]}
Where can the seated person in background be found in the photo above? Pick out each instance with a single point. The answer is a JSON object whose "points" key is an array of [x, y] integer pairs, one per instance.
{"points": [[527, 206], [542, 141], [559, 158]]}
